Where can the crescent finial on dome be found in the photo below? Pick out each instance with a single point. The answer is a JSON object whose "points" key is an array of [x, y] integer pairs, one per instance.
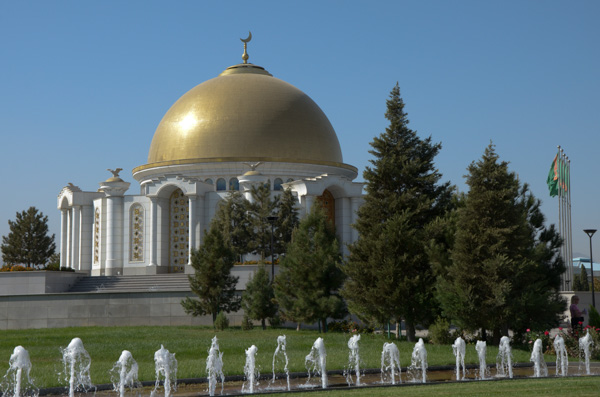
{"points": [[245, 41]]}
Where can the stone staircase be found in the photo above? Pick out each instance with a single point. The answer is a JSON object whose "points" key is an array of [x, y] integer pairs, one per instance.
{"points": [[150, 283]]}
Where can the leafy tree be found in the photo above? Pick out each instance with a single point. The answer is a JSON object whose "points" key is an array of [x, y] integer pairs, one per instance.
{"points": [[258, 301], [307, 285], [212, 282], [388, 269], [505, 265], [28, 242]]}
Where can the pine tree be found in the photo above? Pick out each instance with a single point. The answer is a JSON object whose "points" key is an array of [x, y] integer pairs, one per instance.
{"points": [[389, 273], [259, 211], [505, 270], [212, 281], [232, 219], [307, 285], [28, 242], [584, 279], [287, 221], [258, 301]]}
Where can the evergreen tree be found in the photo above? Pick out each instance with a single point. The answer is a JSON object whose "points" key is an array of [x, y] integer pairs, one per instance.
{"points": [[505, 269], [307, 285], [258, 301], [28, 242], [584, 281], [212, 281], [389, 273], [232, 219], [287, 221], [259, 211], [577, 286]]}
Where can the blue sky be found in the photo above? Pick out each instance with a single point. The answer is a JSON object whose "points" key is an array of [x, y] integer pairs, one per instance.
{"points": [[83, 85]]}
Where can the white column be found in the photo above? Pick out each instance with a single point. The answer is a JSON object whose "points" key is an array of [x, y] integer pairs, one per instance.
{"points": [[64, 236], [76, 220], [191, 227], [114, 190], [68, 261], [153, 240], [308, 203], [200, 220]]}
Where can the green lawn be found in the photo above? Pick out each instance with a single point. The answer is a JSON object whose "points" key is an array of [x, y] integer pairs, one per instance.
{"points": [[191, 344], [573, 386]]}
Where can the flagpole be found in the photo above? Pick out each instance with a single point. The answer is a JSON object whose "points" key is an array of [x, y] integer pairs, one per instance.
{"points": [[560, 218]]}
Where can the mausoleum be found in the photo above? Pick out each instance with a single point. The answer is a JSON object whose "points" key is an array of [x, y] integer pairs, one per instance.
{"points": [[242, 128]]}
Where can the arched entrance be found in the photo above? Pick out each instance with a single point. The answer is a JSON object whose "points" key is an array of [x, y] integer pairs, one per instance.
{"points": [[179, 231]]}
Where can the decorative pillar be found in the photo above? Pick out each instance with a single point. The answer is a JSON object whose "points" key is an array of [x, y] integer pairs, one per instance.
{"points": [[75, 221], [191, 227], [114, 188], [153, 240], [68, 260], [64, 236]]}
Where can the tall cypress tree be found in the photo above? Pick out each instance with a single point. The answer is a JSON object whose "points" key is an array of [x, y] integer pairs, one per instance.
{"points": [[505, 269], [258, 300], [28, 241], [389, 274]]}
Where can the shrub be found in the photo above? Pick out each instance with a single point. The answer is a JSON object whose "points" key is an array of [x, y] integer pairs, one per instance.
{"points": [[439, 332], [594, 317], [247, 323], [221, 322]]}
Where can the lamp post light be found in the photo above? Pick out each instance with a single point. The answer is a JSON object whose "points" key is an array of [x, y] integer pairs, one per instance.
{"points": [[272, 219], [590, 233]]}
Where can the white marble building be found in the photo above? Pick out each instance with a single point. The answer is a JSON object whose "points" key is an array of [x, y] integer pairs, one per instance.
{"points": [[241, 128]]}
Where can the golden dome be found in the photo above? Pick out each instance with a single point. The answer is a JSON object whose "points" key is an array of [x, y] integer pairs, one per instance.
{"points": [[245, 114]]}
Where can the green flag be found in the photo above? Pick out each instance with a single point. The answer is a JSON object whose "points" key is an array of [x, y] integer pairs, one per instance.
{"points": [[552, 180]]}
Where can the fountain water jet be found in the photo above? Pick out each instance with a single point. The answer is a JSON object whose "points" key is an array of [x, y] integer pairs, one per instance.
{"points": [[165, 365], [504, 359], [353, 361], [316, 361], [279, 352], [250, 371], [459, 349], [214, 367], [562, 358], [537, 358], [76, 362], [481, 348], [585, 344], [18, 371], [418, 361], [125, 373], [390, 363]]}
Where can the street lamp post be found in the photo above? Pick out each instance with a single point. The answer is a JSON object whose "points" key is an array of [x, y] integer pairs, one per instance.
{"points": [[272, 219], [590, 233]]}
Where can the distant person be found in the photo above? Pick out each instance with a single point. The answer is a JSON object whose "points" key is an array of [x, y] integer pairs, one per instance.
{"points": [[576, 315]]}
